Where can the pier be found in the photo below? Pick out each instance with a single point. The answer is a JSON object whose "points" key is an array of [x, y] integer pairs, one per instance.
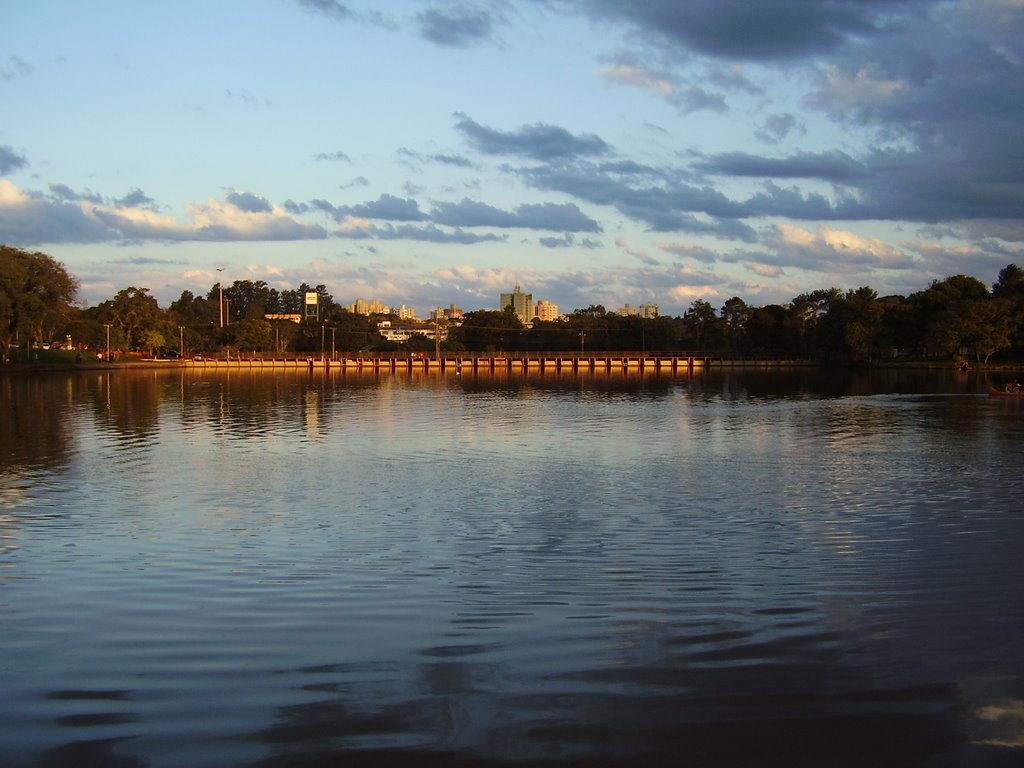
{"points": [[556, 362]]}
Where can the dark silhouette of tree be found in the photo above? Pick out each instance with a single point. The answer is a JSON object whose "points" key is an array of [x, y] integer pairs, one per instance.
{"points": [[37, 295], [485, 330]]}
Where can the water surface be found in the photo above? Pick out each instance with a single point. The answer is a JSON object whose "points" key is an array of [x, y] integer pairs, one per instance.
{"points": [[721, 569]]}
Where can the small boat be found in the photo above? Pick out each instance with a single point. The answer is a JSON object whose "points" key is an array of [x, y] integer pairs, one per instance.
{"points": [[993, 392]]}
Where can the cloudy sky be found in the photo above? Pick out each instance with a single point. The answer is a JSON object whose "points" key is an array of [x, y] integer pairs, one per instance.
{"points": [[591, 151]]}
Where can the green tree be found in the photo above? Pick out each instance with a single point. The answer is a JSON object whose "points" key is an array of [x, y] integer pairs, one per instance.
{"points": [[944, 312], [251, 334], [37, 295], [135, 312], [734, 315], [988, 327], [488, 330], [767, 331], [1010, 286], [701, 326], [153, 340]]}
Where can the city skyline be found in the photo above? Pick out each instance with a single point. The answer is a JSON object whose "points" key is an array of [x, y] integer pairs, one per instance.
{"points": [[442, 152]]}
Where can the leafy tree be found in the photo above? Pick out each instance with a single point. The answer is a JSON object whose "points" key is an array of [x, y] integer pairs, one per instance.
{"points": [[735, 314], [943, 312], [252, 299], [134, 311], [988, 327], [1010, 286], [37, 295], [251, 334], [766, 330], [352, 332], [701, 326], [488, 330], [153, 340]]}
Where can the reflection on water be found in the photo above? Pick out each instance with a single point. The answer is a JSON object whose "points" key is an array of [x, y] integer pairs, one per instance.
{"points": [[721, 569]]}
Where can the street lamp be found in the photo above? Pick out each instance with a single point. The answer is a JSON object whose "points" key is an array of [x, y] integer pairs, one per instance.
{"points": [[107, 326], [220, 302]]}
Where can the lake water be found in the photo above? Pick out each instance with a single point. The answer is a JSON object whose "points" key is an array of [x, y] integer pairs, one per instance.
{"points": [[717, 569]]}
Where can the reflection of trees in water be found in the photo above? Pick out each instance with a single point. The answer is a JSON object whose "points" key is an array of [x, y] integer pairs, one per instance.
{"points": [[36, 431], [76, 754], [250, 404], [128, 402], [613, 383]]}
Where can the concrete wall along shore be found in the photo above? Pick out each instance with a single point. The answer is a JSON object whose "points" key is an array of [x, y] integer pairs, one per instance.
{"points": [[601, 362]]}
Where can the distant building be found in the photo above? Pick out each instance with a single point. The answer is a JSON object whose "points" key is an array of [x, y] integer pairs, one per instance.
{"points": [[545, 310], [452, 315], [364, 307], [404, 313], [393, 333], [295, 317], [521, 303], [402, 332], [646, 311]]}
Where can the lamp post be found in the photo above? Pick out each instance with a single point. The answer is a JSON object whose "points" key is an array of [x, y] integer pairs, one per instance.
{"points": [[181, 342], [334, 354], [220, 302], [323, 329], [107, 326]]}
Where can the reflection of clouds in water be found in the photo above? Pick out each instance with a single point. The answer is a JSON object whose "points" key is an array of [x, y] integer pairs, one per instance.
{"points": [[1000, 724]]}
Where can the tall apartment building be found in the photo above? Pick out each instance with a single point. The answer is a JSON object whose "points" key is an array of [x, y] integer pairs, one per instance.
{"points": [[545, 310], [452, 314], [646, 311], [364, 307], [521, 303]]}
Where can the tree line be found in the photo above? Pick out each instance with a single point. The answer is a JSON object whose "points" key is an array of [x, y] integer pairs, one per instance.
{"points": [[958, 315]]}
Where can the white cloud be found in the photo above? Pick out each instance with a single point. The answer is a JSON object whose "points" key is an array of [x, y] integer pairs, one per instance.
{"points": [[214, 220], [860, 87]]}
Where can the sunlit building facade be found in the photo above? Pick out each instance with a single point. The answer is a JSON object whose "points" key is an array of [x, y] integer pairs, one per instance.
{"points": [[545, 310], [521, 303]]}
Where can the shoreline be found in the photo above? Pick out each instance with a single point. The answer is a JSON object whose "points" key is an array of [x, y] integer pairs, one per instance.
{"points": [[462, 362]]}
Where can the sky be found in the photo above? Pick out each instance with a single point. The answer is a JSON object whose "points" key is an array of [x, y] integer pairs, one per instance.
{"points": [[589, 151]]}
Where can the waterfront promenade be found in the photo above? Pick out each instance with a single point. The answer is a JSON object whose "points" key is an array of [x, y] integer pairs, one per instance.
{"points": [[470, 362]]}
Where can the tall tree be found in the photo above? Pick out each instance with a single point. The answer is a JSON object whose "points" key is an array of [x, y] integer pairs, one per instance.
{"points": [[37, 295], [701, 326], [735, 314], [135, 312]]}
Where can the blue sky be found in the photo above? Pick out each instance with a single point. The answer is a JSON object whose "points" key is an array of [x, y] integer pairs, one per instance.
{"points": [[591, 151]]}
